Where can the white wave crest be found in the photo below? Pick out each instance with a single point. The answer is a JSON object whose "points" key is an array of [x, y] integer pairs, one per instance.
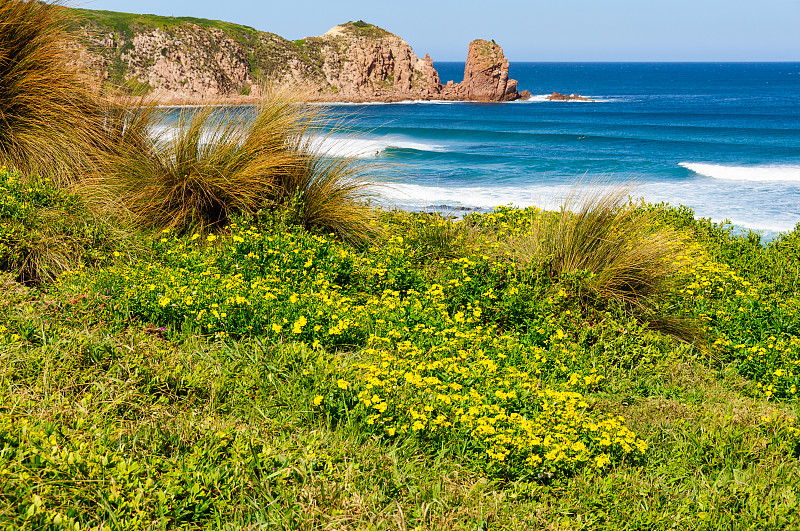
{"points": [[709, 198], [767, 227], [767, 173], [364, 148], [481, 197], [401, 102]]}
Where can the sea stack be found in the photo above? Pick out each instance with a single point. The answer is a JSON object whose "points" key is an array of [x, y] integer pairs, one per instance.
{"points": [[486, 74]]}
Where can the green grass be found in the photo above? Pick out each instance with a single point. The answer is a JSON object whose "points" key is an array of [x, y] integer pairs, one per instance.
{"points": [[365, 29], [183, 389], [123, 21]]}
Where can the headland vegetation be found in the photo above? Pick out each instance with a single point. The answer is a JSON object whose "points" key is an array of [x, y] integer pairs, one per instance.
{"points": [[210, 327]]}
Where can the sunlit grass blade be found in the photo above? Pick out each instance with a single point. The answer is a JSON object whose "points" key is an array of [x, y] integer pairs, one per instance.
{"points": [[49, 120], [629, 255]]}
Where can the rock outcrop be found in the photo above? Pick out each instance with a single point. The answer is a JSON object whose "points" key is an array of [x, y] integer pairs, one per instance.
{"points": [[359, 61], [557, 96], [184, 60], [485, 75], [175, 60]]}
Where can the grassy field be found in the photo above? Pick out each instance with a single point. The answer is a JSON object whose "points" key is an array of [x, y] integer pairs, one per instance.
{"points": [[268, 376], [212, 329]]}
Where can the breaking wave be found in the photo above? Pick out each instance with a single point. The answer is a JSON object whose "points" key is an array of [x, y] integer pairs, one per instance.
{"points": [[767, 173], [364, 148], [543, 98]]}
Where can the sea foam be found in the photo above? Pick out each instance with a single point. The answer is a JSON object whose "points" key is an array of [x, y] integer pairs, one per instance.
{"points": [[548, 196], [364, 148], [401, 102], [766, 173]]}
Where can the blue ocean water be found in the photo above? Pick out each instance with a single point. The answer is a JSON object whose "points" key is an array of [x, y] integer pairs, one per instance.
{"points": [[723, 139]]}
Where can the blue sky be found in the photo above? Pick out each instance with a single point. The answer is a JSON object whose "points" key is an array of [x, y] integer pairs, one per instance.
{"points": [[533, 30]]}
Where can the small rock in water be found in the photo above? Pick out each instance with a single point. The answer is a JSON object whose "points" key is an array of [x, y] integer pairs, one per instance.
{"points": [[557, 96]]}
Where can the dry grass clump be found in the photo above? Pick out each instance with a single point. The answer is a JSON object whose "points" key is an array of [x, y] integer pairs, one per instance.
{"points": [[628, 255], [329, 192], [214, 162], [210, 166], [48, 119]]}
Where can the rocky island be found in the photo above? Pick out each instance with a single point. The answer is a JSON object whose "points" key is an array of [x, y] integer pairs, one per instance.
{"points": [[557, 96], [188, 60]]}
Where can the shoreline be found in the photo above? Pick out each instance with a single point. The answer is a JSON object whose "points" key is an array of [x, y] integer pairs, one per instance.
{"points": [[250, 100], [310, 97]]}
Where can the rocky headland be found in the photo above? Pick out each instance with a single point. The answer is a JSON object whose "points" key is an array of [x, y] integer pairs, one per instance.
{"points": [[187, 60]]}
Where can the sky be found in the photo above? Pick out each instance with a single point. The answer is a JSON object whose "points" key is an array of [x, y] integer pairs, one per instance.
{"points": [[532, 30]]}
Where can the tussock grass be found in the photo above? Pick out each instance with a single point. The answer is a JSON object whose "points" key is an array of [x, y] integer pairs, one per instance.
{"points": [[329, 192], [220, 161], [198, 175], [629, 256], [49, 121]]}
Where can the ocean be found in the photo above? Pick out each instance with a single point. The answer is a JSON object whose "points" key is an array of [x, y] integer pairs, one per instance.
{"points": [[721, 138]]}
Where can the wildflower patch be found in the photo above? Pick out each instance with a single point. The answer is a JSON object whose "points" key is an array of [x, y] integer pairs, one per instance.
{"points": [[440, 359]]}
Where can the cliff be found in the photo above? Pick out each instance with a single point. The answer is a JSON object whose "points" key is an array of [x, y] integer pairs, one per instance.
{"points": [[356, 62], [182, 60]]}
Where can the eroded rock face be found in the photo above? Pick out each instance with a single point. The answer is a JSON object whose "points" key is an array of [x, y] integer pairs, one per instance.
{"points": [[189, 62], [360, 62], [486, 74], [185, 62]]}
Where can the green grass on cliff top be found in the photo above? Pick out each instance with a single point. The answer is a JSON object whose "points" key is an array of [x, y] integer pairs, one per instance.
{"points": [[365, 29], [126, 20], [117, 19]]}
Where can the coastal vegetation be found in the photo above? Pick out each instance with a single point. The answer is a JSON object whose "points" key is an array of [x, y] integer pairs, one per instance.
{"points": [[213, 163], [47, 113], [211, 328]]}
